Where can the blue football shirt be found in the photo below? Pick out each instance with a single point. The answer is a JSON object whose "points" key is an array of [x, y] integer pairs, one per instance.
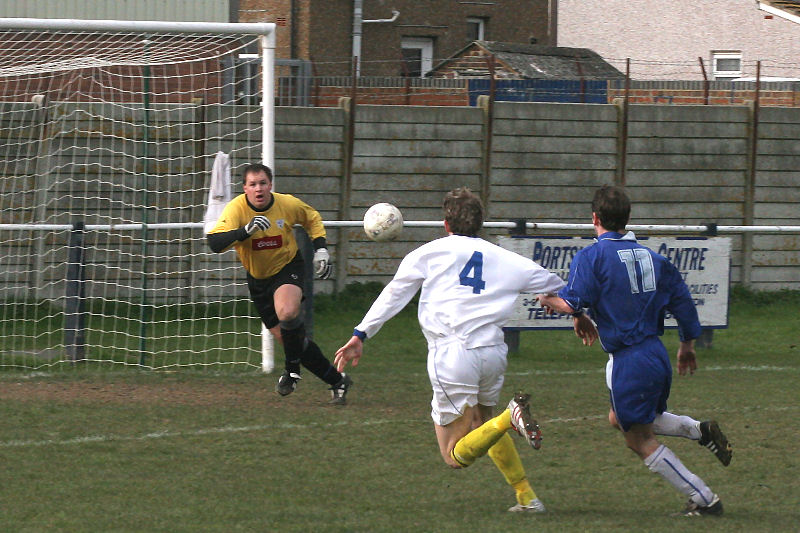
{"points": [[628, 288]]}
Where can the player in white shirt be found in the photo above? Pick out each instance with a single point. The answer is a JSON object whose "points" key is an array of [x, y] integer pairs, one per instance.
{"points": [[468, 290]]}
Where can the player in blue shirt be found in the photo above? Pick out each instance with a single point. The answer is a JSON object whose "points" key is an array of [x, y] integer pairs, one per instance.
{"points": [[627, 289]]}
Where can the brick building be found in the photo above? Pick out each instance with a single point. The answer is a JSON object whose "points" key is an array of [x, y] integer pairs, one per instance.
{"points": [[397, 37]]}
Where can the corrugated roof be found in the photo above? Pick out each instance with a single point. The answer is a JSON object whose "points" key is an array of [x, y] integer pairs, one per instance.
{"points": [[790, 6], [534, 61]]}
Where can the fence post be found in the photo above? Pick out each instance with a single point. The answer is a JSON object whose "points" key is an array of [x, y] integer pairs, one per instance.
{"points": [[579, 68], [705, 81], [750, 183], [306, 248], [706, 338], [484, 103], [198, 246], [511, 337], [347, 104], [43, 178], [487, 104], [622, 128], [74, 302]]}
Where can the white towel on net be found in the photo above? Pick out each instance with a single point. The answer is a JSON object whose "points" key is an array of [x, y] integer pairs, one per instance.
{"points": [[219, 190]]}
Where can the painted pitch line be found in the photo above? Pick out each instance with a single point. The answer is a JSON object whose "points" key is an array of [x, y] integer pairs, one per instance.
{"points": [[169, 434], [701, 369], [602, 370], [242, 429], [220, 430], [599, 370], [245, 429]]}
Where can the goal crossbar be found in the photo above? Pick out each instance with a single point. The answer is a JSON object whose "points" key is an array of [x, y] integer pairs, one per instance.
{"points": [[249, 28]]}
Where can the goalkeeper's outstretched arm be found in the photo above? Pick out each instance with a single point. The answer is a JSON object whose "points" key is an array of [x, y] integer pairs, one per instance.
{"points": [[219, 242]]}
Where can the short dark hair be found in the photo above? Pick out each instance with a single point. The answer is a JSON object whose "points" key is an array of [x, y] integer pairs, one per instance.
{"points": [[612, 206], [256, 168], [463, 211]]}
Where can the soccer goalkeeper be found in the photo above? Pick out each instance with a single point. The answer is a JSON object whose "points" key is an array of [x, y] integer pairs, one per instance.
{"points": [[258, 224], [469, 289]]}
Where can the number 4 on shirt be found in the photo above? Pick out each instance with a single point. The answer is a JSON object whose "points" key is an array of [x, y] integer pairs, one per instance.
{"points": [[474, 265]]}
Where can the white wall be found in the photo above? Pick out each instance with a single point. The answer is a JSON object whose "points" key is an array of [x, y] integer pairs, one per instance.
{"points": [[664, 39]]}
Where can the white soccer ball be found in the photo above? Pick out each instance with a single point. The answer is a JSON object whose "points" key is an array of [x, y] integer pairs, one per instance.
{"points": [[383, 222]]}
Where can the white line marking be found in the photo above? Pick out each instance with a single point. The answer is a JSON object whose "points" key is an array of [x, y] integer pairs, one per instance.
{"points": [[700, 370], [168, 434], [599, 370], [243, 429]]}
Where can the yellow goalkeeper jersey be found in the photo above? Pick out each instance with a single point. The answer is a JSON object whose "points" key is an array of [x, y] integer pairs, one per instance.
{"points": [[265, 253]]}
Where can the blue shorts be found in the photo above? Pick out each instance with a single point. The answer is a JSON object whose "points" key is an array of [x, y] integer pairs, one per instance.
{"points": [[639, 379]]}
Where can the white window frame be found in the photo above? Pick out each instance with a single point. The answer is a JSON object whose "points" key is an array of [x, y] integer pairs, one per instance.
{"points": [[725, 74], [481, 26], [425, 44]]}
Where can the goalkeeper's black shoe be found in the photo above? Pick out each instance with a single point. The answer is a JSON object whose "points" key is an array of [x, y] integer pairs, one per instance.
{"points": [[712, 509], [339, 391], [715, 440], [287, 383]]}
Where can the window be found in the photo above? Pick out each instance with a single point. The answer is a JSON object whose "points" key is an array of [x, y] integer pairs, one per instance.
{"points": [[246, 79], [726, 65], [417, 55], [475, 29]]}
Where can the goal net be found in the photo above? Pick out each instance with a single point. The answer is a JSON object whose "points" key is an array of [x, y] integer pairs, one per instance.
{"points": [[109, 132]]}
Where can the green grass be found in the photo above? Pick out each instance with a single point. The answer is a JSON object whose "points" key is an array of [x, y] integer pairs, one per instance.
{"points": [[130, 450]]}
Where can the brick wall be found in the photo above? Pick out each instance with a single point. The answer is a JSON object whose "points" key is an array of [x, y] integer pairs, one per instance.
{"points": [[330, 30], [277, 11], [181, 83], [396, 93], [328, 96], [697, 96]]}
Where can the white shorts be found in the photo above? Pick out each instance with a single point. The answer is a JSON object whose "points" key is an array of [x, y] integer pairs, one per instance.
{"points": [[463, 377]]}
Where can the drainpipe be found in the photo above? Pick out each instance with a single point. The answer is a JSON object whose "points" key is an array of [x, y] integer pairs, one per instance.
{"points": [[358, 14]]}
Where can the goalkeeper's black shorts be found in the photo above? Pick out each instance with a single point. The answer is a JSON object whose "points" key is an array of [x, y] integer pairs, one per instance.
{"points": [[263, 290]]}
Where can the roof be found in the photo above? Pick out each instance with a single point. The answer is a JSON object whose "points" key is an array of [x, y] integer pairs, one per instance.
{"points": [[792, 6], [534, 61]]}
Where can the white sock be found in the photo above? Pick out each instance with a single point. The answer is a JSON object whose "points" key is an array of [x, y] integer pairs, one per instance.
{"points": [[671, 425], [666, 463]]}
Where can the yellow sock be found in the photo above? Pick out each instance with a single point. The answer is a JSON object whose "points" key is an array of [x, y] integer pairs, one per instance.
{"points": [[478, 441], [506, 458]]}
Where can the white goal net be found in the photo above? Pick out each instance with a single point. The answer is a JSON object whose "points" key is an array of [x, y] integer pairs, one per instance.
{"points": [[108, 136]]}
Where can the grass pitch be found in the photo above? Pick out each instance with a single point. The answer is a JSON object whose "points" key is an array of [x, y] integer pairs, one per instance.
{"points": [[195, 451]]}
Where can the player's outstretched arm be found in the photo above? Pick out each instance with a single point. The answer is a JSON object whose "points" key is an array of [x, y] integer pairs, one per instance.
{"points": [[585, 329], [583, 326], [554, 303], [350, 352], [687, 361]]}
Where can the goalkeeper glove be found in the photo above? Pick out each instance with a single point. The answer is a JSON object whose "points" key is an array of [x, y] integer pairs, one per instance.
{"points": [[322, 263], [259, 223]]}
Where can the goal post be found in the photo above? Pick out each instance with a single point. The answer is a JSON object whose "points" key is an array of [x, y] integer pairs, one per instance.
{"points": [[108, 132]]}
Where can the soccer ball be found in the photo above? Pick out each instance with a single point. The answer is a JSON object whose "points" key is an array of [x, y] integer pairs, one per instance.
{"points": [[383, 222]]}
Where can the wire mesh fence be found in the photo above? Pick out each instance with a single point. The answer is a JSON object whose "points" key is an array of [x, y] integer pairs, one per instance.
{"points": [[322, 84]]}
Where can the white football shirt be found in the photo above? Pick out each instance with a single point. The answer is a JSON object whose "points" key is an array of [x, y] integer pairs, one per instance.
{"points": [[469, 287]]}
